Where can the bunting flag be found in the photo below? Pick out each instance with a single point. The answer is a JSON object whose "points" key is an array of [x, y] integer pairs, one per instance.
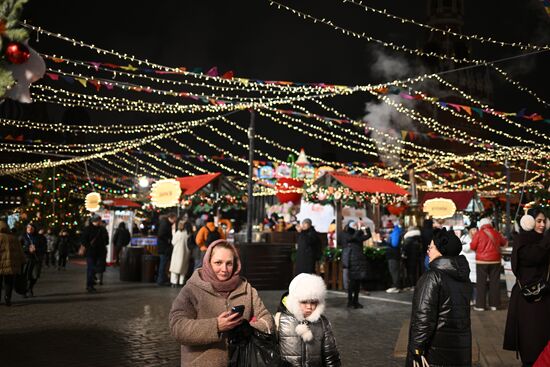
{"points": [[461, 108]]}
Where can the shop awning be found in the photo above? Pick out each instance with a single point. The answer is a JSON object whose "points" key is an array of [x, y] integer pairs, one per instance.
{"points": [[121, 203], [461, 198], [368, 184], [191, 184]]}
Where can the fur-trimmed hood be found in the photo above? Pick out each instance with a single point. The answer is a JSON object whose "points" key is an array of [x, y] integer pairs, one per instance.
{"points": [[412, 233]]}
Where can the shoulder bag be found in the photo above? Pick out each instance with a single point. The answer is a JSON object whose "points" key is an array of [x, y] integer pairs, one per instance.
{"points": [[534, 291]]}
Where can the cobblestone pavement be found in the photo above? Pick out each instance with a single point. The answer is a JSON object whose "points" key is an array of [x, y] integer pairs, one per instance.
{"points": [[126, 324]]}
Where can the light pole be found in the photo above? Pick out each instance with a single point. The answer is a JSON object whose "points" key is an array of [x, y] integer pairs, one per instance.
{"points": [[250, 203]]}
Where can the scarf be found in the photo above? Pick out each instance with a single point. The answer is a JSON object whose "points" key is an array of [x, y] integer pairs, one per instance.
{"points": [[207, 273]]}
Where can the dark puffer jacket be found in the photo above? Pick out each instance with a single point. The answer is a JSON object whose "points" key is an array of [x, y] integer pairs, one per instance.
{"points": [[352, 255], [440, 320], [319, 352], [309, 251]]}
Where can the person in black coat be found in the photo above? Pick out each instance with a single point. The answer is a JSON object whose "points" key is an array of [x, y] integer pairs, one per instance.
{"points": [[354, 260], [63, 246], [412, 252], [33, 248], [528, 324], [440, 321], [164, 246], [121, 239], [309, 248], [95, 238]]}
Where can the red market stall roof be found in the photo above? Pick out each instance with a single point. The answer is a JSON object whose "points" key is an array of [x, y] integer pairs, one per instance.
{"points": [[360, 183], [121, 202], [461, 198], [191, 184]]}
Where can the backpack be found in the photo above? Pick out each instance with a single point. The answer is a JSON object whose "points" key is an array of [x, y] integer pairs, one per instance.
{"points": [[212, 236]]}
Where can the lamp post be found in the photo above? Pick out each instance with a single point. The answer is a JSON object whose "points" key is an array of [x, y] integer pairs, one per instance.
{"points": [[250, 203]]}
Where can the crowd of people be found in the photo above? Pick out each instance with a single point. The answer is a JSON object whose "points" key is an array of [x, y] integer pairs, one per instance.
{"points": [[204, 316], [449, 271]]}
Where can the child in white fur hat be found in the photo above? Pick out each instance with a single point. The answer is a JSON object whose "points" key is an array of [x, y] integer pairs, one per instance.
{"points": [[305, 334]]}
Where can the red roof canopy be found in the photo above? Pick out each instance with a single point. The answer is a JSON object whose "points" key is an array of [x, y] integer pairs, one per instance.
{"points": [[191, 184], [121, 202], [460, 198], [373, 185]]}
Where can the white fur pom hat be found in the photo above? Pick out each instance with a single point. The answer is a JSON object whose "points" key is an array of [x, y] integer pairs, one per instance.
{"points": [[527, 222], [306, 287], [484, 221]]}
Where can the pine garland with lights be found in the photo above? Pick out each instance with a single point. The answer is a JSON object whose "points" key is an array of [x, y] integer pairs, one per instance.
{"points": [[10, 10]]}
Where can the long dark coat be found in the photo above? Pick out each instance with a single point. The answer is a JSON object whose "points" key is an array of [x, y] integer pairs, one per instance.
{"points": [[164, 242], [353, 257], [309, 251], [440, 319], [528, 324]]}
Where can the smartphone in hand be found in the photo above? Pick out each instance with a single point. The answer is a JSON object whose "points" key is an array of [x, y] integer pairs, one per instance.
{"points": [[238, 309]]}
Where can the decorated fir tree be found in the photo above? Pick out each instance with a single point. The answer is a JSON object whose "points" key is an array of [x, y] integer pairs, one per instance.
{"points": [[12, 36], [50, 202]]}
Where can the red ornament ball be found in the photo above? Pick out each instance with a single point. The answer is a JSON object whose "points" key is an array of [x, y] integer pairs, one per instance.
{"points": [[17, 53]]}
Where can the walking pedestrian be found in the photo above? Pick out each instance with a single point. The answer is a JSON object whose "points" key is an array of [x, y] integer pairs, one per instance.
{"points": [[51, 240], [486, 243], [95, 239], [32, 248], [206, 235], [305, 334], [12, 258], [528, 322], [470, 255], [62, 247], [355, 261], [180, 253], [164, 246], [393, 257], [121, 239], [201, 316], [411, 254], [309, 248], [440, 320]]}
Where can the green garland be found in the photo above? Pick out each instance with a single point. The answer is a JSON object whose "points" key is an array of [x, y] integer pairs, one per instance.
{"points": [[10, 31]]}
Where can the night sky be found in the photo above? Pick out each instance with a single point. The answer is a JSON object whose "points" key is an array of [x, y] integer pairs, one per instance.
{"points": [[257, 40]]}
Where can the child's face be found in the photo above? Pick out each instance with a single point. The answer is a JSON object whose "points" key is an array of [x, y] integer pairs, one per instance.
{"points": [[307, 307]]}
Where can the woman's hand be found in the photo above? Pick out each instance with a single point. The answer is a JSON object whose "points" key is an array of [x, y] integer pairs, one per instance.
{"points": [[228, 320]]}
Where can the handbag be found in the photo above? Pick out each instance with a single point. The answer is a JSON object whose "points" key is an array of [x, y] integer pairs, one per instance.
{"points": [[424, 363], [249, 347], [534, 291]]}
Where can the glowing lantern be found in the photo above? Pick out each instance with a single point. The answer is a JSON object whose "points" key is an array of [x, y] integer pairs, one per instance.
{"points": [[289, 189]]}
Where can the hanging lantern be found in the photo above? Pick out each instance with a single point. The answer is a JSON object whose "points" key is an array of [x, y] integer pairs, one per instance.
{"points": [[165, 193], [92, 201], [289, 189]]}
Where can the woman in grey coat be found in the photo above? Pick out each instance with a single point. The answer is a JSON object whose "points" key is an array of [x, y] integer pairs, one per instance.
{"points": [[305, 334]]}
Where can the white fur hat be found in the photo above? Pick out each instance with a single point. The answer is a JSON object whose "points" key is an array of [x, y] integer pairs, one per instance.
{"points": [[527, 222], [306, 287], [484, 221]]}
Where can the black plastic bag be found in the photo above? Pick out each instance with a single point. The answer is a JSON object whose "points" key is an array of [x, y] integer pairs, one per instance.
{"points": [[249, 347]]}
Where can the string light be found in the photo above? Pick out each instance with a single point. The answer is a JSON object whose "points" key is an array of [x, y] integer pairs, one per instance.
{"points": [[447, 32], [518, 85], [372, 39], [491, 111]]}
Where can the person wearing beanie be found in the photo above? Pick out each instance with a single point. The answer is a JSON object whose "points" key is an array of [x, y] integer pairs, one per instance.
{"points": [[486, 243], [440, 321], [201, 318], [305, 334], [309, 248], [528, 323]]}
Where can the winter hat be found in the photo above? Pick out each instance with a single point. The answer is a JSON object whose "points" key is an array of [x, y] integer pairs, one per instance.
{"points": [[484, 221], [95, 218], [447, 243], [308, 221], [306, 287]]}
